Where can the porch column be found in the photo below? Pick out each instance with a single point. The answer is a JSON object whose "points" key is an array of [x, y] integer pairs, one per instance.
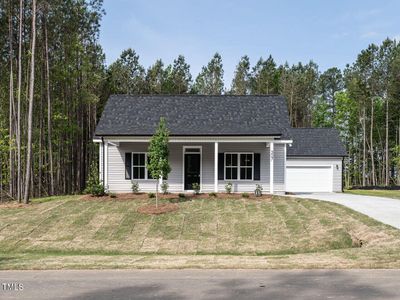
{"points": [[271, 168], [216, 167], [105, 160]]}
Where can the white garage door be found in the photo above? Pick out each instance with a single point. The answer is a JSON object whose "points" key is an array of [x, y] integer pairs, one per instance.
{"points": [[308, 179]]}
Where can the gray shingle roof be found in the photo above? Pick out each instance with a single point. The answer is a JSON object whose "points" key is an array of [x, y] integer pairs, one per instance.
{"points": [[194, 115], [315, 142]]}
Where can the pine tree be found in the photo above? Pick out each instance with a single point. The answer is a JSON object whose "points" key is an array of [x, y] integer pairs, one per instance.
{"points": [[241, 79], [265, 77], [210, 80], [126, 75], [179, 77]]}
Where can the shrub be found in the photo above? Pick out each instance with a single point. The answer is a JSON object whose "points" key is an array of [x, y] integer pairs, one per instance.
{"points": [[258, 190], [96, 190], [164, 187], [245, 195], [213, 194], [228, 187], [135, 187], [93, 186], [181, 195], [151, 195], [113, 195], [196, 188]]}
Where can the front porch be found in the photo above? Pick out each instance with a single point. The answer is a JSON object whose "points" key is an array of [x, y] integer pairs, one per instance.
{"points": [[212, 163]]}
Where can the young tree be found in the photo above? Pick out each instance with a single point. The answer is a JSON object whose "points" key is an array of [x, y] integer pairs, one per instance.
{"points": [[158, 152]]}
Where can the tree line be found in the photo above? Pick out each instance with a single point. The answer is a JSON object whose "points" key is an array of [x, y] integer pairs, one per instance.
{"points": [[55, 84]]}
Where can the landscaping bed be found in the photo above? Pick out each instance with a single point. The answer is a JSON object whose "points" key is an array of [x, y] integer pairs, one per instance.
{"points": [[174, 196]]}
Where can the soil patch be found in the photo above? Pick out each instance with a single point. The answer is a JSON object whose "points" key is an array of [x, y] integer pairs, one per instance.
{"points": [[152, 209]]}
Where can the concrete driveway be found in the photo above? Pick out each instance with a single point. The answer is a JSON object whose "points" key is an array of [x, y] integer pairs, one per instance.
{"points": [[382, 209], [201, 284]]}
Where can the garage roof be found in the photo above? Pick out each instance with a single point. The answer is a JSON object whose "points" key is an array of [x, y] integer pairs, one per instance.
{"points": [[315, 142]]}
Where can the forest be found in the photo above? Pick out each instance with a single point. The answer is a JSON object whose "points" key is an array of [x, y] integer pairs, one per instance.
{"points": [[55, 82]]}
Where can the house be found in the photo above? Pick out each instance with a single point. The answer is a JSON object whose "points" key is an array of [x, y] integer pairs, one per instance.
{"points": [[245, 140]]}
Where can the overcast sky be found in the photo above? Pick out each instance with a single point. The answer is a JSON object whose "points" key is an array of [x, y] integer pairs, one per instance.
{"points": [[330, 32]]}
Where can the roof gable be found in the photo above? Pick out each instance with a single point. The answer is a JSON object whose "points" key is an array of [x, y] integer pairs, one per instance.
{"points": [[194, 115]]}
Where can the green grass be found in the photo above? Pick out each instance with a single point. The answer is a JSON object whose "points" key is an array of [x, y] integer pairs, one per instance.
{"points": [[70, 227], [395, 194]]}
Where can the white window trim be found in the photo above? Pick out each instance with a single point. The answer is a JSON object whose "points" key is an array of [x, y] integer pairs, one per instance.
{"points": [[183, 165], [146, 172], [238, 166]]}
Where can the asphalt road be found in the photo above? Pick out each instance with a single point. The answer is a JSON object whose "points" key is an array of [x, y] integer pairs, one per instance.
{"points": [[201, 284]]}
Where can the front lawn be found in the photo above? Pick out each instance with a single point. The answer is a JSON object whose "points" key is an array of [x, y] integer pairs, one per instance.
{"points": [[95, 233], [395, 194]]}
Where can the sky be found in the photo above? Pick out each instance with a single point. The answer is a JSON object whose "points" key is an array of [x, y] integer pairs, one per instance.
{"points": [[329, 32]]}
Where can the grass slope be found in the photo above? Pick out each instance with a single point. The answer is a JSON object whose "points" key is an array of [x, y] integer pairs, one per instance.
{"points": [[71, 233], [395, 194]]}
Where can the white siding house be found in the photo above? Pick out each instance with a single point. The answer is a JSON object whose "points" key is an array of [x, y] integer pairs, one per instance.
{"points": [[244, 140]]}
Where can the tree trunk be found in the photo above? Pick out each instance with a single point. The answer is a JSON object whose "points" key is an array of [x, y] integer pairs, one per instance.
{"points": [[19, 185], [372, 144], [11, 109], [158, 180], [49, 136], [364, 148], [31, 89], [387, 179]]}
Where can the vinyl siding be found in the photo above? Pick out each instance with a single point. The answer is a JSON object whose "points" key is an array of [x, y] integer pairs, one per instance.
{"points": [[118, 183], [336, 164]]}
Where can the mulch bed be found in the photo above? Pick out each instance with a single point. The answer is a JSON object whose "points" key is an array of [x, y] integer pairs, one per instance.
{"points": [[175, 196], [152, 209]]}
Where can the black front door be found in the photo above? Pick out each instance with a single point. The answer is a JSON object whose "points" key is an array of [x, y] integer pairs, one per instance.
{"points": [[192, 169]]}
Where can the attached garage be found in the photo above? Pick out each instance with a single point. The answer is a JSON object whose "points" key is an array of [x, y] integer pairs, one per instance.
{"points": [[309, 179], [314, 161]]}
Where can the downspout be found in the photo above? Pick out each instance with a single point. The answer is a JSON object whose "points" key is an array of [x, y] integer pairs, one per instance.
{"points": [[103, 157]]}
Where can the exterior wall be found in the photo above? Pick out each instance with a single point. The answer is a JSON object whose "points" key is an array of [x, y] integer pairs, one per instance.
{"points": [[115, 171], [334, 162]]}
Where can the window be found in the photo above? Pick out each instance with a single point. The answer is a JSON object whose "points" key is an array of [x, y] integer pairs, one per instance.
{"points": [[239, 166], [246, 166], [231, 166], [139, 169]]}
